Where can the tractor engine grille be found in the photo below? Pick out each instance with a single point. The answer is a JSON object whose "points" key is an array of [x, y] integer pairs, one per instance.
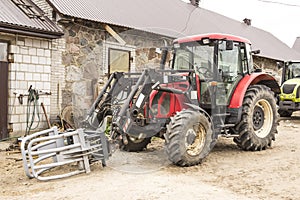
{"points": [[288, 88]]}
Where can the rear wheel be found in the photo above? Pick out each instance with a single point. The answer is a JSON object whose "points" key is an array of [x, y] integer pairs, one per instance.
{"points": [[259, 119], [189, 138]]}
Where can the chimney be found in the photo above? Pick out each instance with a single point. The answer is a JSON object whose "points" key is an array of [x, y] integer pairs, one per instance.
{"points": [[195, 2], [247, 21]]}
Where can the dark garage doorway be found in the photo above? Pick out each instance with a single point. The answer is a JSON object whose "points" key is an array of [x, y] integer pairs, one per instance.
{"points": [[3, 89]]}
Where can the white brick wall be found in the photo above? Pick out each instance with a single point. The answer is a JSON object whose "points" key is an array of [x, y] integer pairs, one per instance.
{"points": [[37, 62]]}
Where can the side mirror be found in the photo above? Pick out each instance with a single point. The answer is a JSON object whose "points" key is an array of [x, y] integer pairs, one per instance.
{"points": [[164, 55], [229, 45], [279, 65]]}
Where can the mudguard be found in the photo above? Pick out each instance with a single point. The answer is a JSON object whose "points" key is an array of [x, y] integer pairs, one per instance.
{"points": [[252, 79]]}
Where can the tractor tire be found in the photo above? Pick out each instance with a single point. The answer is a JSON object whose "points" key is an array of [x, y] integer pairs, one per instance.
{"points": [[189, 138], [285, 113], [259, 121], [135, 144]]}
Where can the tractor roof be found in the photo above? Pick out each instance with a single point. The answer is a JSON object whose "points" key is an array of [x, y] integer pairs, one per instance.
{"points": [[212, 36]]}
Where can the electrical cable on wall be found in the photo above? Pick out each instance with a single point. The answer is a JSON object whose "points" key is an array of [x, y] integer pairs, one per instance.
{"points": [[32, 101]]}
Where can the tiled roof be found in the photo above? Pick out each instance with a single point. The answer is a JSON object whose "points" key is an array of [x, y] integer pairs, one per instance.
{"points": [[172, 18], [13, 19]]}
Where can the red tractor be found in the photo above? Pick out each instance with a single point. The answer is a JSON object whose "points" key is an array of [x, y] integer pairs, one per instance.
{"points": [[211, 90]]}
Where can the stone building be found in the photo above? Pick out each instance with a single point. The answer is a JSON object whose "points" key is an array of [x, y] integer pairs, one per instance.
{"points": [[30, 52]]}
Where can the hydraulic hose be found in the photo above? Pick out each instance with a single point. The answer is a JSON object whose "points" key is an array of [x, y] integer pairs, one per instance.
{"points": [[32, 101]]}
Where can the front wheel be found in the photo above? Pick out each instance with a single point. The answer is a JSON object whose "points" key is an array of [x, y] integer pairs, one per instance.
{"points": [[189, 138], [259, 119]]}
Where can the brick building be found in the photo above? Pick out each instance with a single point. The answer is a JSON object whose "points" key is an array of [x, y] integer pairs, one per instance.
{"points": [[30, 51]]}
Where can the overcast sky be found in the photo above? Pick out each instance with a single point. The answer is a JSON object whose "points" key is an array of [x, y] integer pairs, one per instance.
{"points": [[279, 17]]}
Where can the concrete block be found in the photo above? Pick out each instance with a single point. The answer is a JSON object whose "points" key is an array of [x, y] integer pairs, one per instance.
{"points": [[20, 75], [15, 119], [12, 76], [28, 76], [36, 43], [47, 69], [45, 77], [48, 61], [47, 53], [26, 59], [20, 43], [11, 84], [24, 50], [45, 44], [40, 52], [23, 67], [28, 42], [18, 58], [35, 59], [47, 86], [36, 77], [32, 51], [39, 69], [42, 61], [13, 49], [31, 68], [39, 86], [23, 85], [14, 66]]}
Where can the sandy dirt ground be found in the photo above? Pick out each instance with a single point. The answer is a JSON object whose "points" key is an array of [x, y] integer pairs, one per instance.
{"points": [[227, 173]]}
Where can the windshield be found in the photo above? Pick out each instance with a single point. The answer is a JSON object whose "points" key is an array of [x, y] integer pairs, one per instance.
{"points": [[194, 56], [199, 57], [293, 71]]}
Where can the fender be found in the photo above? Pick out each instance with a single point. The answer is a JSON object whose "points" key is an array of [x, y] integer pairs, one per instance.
{"points": [[252, 79]]}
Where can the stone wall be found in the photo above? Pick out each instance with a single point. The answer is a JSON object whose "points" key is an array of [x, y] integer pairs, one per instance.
{"points": [[268, 66]]}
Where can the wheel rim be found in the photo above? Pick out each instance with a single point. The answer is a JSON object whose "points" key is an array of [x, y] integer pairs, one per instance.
{"points": [[262, 118], [137, 139], [195, 140], [258, 117]]}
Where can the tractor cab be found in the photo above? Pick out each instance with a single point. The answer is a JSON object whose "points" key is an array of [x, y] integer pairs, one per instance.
{"points": [[291, 70], [290, 89], [218, 60]]}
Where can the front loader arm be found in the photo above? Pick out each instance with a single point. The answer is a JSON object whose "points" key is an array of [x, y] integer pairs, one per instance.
{"points": [[132, 117], [135, 116]]}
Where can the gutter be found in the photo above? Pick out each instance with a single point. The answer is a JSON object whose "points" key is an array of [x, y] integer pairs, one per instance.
{"points": [[30, 32]]}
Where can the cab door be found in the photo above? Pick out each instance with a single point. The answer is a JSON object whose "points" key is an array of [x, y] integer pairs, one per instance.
{"points": [[229, 70]]}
